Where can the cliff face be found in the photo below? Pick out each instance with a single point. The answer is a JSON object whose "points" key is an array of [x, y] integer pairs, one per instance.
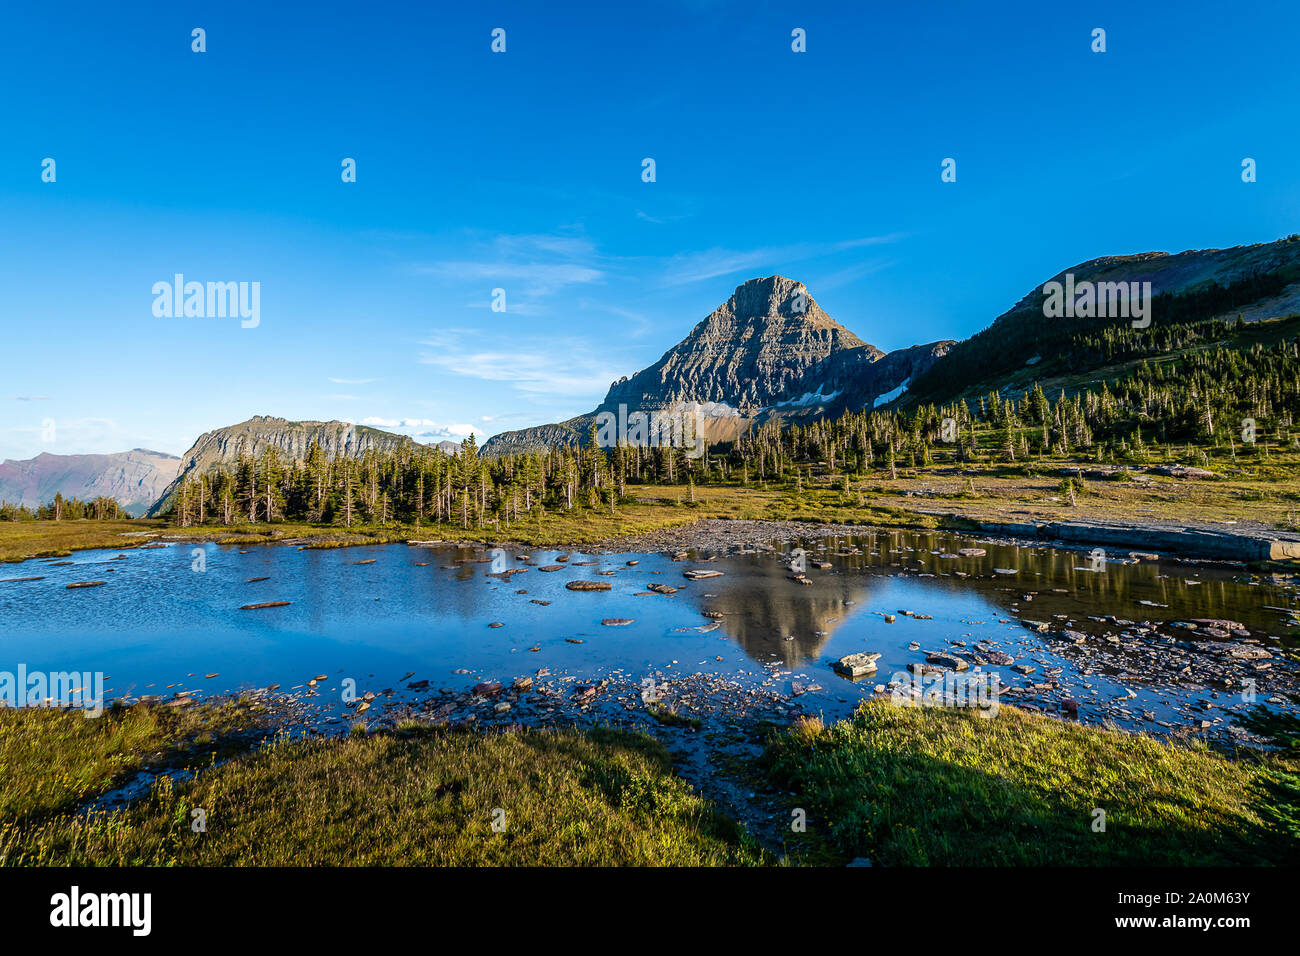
{"points": [[539, 437], [748, 353], [768, 351], [133, 478], [853, 381], [291, 439]]}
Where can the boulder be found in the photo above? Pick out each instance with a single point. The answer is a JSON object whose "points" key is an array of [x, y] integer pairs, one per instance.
{"points": [[856, 665]]}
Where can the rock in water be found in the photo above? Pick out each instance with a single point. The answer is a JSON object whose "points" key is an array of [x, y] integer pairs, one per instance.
{"points": [[948, 661], [857, 665]]}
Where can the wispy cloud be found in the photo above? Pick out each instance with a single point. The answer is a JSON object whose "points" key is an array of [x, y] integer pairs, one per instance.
{"points": [[30, 398], [539, 278], [636, 323], [353, 381], [841, 277], [540, 373], [429, 429], [537, 368], [448, 338], [516, 305], [712, 263], [539, 264]]}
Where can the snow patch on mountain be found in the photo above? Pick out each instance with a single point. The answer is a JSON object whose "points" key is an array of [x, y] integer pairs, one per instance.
{"points": [[807, 398], [891, 395]]}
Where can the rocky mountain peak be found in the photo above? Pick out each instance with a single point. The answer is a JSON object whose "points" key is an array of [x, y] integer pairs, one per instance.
{"points": [[776, 301], [769, 349], [746, 353], [770, 296]]}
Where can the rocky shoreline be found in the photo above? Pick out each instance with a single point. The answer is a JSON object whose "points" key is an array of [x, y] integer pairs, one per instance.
{"points": [[721, 536], [1188, 541], [1178, 543], [1185, 542]]}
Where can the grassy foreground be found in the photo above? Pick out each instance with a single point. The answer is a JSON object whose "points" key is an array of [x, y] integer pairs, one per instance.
{"points": [[915, 786], [419, 797], [898, 785], [52, 760]]}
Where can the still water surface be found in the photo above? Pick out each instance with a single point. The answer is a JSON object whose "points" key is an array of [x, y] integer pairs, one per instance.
{"points": [[158, 625]]}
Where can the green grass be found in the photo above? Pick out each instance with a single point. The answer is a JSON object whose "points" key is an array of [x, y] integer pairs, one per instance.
{"points": [[416, 797], [51, 759], [907, 786], [20, 540], [898, 785], [671, 718]]}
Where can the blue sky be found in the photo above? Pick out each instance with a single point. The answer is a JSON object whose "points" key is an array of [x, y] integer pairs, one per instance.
{"points": [[522, 171]]}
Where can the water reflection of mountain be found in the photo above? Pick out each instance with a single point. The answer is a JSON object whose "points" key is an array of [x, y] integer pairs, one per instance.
{"points": [[761, 607], [1060, 582]]}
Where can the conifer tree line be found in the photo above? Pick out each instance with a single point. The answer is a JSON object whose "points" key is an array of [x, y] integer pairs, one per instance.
{"points": [[1199, 406], [421, 485], [1195, 410], [100, 508], [1196, 407]]}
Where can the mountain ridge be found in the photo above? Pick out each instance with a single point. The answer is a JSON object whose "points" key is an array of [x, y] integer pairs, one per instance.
{"points": [[768, 352], [291, 439], [1256, 281], [133, 478]]}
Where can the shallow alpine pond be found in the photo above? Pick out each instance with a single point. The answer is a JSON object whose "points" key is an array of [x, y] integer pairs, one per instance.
{"points": [[453, 633]]}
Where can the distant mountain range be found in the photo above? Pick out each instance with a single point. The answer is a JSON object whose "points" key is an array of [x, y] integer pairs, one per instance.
{"points": [[769, 353], [143, 482], [134, 478]]}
